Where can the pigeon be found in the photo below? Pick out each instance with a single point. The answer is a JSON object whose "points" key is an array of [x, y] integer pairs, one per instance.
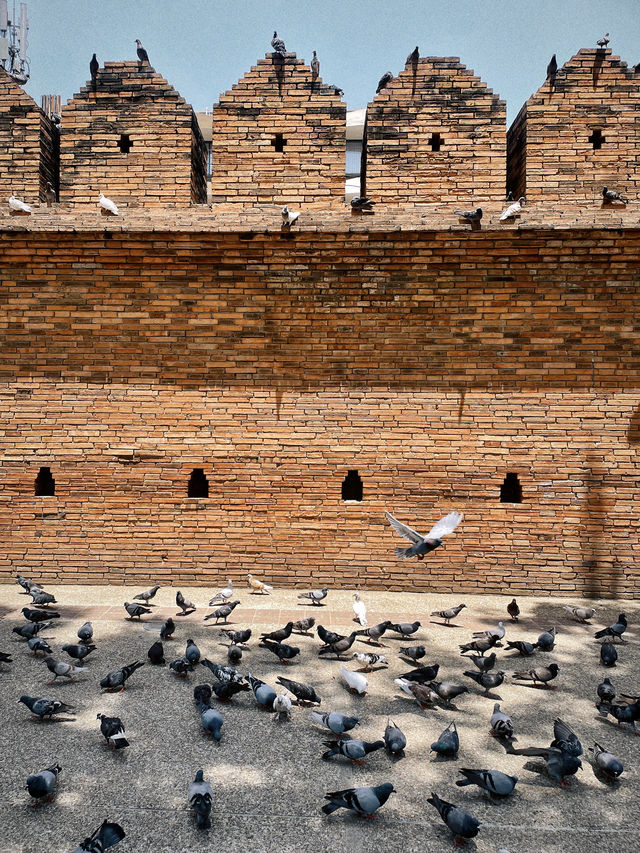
{"points": [[510, 212], [413, 57], [607, 763], [481, 645], [135, 611], [117, 677], [211, 721], [616, 630], [484, 664], [143, 56], [78, 651], [547, 640], [32, 615], [224, 595], [552, 69], [148, 595], [167, 628], [359, 610], [608, 654], [611, 196], [226, 690], [200, 798], [282, 651], [44, 708], [202, 693], [181, 667], [94, 67], [559, 764], [422, 674], [42, 785], [222, 673], [315, 67], [329, 637], [361, 202], [37, 644], [85, 632], [449, 614], [384, 81], [581, 614], [238, 638], [423, 695], [41, 598], [494, 782], [498, 632], [448, 742], [470, 215], [26, 583], [362, 801], [258, 586], [374, 632], [59, 668], [394, 740], [541, 675], [334, 721], [156, 654], [107, 205], [105, 836], [422, 545], [304, 626], [414, 653], [289, 217], [509, 196], [282, 707], [280, 635], [30, 629], [263, 692], [623, 712], [340, 646], [354, 750], [487, 680], [606, 691], [222, 612], [565, 739], [304, 693], [278, 44], [405, 628], [501, 724], [603, 42], [184, 604], [356, 682], [112, 729], [521, 646], [18, 206], [447, 690], [370, 660], [192, 653], [461, 823], [234, 654]]}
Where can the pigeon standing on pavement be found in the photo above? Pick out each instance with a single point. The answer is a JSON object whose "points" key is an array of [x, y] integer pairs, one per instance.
{"points": [[339, 647], [448, 742], [167, 628], [136, 611], [356, 682], [606, 691], [406, 629], [37, 644], [117, 677], [105, 836], [581, 614], [85, 632], [30, 629], [501, 724], [222, 612], [498, 632], [61, 669], [42, 785], [423, 545], [35, 615], [359, 610], [304, 693], [259, 586], [78, 651], [608, 654], [394, 738], [184, 604], [192, 653], [211, 720], [608, 764], [362, 801], [280, 635], [264, 693], [487, 680], [449, 614], [304, 626], [237, 638], [148, 595], [200, 797], [224, 595], [547, 640], [354, 750], [481, 645], [484, 664], [414, 653], [156, 654], [112, 729], [540, 675], [334, 721], [615, 631], [42, 707], [369, 659], [282, 651], [282, 707], [374, 632], [494, 782], [40, 598], [461, 823], [523, 647], [513, 610]]}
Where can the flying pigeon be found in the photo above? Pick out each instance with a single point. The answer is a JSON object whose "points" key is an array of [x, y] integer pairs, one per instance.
{"points": [[258, 586], [85, 632], [552, 69], [107, 205], [200, 798], [61, 669], [37, 644], [289, 217], [547, 640], [156, 654], [282, 651], [117, 677], [42, 785], [494, 782], [448, 742], [40, 598], [608, 654], [334, 721], [41, 707], [511, 211], [559, 764], [212, 721], [280, 635], [424, 544], [105, 836], [112, 729], [304, 693], [616, 630], [581, 614], [362, 801], [521, 646], [461, 823], [603, 42], [304, 626], [405, 628], [359, 610], [356, 682], [224, 595], [135, 611], [470, 215], [384, 81], [222, 612], [238, 638], [78, 651], [487, 680], [501, 724], [370, 660], [33, 615], [278, 44], [263, 692], [147, 596], [143, 56], [414, 653], [167, 628], [354, 750], [361, 202], [449, 614], [607, 763], [413, 57], [282, 707], [394, 739], [374, 632], [541, 675], [611, 196], [18, 206]]}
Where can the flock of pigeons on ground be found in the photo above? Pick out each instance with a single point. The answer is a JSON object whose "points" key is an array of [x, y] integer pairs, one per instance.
{"points": [[420, 683]]}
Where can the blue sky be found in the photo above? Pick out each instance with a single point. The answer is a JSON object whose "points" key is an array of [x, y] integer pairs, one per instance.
{"points": [[203, 46]]}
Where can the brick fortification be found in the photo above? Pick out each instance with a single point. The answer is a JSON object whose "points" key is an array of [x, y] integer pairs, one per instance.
{"points": [[134, 139], [436, 133], [578, 133], [279, 138]]}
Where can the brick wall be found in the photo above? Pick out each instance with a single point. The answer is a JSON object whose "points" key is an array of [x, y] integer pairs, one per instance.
{"points": [[433, 362], [279, 138], [553, 153], [164, 162], [28, 145], [436, 133]]}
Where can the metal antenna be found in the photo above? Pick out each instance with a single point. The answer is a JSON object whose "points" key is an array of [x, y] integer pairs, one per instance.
{"points": [[13, 42]]}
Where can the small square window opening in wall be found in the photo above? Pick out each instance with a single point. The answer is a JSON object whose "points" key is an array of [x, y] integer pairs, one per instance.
{"points": [[511, 490], [352, 487], [198, 484], [279, 142], [44, 483], [124, 143]]}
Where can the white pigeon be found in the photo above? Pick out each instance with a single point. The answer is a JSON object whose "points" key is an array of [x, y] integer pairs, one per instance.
{"points": [[355, 680], [108, 205], [224, 595], [282, 707], [513, 209], [289, 216], [360, 609], [16, 204]]}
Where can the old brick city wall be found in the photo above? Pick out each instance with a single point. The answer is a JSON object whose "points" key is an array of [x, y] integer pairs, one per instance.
{"points": [[432, 362]]}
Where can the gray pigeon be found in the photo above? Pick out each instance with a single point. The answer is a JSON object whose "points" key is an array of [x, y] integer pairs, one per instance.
{"points": [[41, 598], [423, 545], [461, 823], [606, 691], [559, 764], [422, 674], [547, 640], [362, 801], [447, 690], [30, 629], [448, 743], [374, 632], [541, 675], [85, 632], [610, 196], [143, 56], [384, 81], [105, 836], [498, 632], [449, 614], [340, 646], [552, 69], [394, 739], [37, 644], [608, 654], [234, 654], [565, 738], [211, 721], [282, 651], [167, 628], [192, 653], [34, 615], [42, 785], [222, 673], [237, 638], [406, 629], [605, 762], [484, 664], [581, 614], [470, 215], [354, 750], [148, 595], [481, 645], [315, 595], [616, 630], [334, 721], [263, 692], [304, 693], [493, 782], [487, 680], [278, 44], [184, 604], [501, 724], [512, 608], [181, 666], [603, 42], [282, 634], [135, 611], [523, 648], [117, 677], [222, 612], [623, 712], [414, 653], [413, 57], [78, 651], [200, 797], [61, 669], [304, 626], [41, 707]]}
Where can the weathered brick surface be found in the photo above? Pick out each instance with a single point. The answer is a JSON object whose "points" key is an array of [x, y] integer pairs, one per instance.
{"points": [[28, 145], [551, 152], [279, 99], [432, 361], [437, 96], [165, 165]]}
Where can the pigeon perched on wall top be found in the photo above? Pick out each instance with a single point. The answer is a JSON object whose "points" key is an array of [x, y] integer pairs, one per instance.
{"points": [[18, 206], [384, 81], [143, 56], [603, 42], [277, 44], [107, 206]]}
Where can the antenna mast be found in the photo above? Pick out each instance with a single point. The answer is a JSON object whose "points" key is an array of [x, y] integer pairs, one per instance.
{"points": [[13, 42]]}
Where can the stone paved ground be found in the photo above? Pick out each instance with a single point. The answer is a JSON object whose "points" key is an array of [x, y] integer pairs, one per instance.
{"points": [[268, 778]]}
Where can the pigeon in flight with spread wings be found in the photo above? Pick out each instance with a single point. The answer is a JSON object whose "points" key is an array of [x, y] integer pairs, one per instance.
{"points": [[424, 544]]}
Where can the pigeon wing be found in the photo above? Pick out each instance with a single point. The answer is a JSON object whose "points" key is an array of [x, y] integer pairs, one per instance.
{"points": [[445, 526], [405, 531]]}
